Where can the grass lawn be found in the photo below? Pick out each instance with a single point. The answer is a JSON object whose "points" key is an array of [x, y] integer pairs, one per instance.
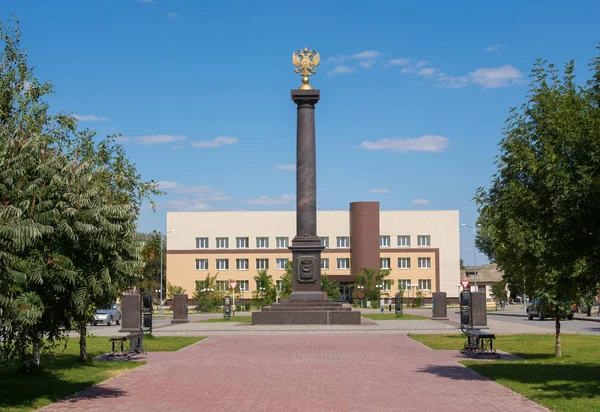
{"points": [[231, 319], [392, 316], [569, 383], [65, 375]]}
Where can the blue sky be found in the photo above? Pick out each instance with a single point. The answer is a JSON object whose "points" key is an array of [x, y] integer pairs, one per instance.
{"points": [[414, 94]]}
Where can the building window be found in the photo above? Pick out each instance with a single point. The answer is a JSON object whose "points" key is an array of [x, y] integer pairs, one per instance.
{"points": [[424, 263], [425, 284], [279, 284], [343, 241], [385, 263], [221, 285], [243, 285], [384, 241], [241, 242], [325, 263], [262, 264], [404, 263], [343, 263], [222, 243], [241, 264], [281, 263], [281, 242], [262, 242], [403, 284], [386, 284], [424, 240], [325, 242], [201, 243], [404, 241], [222, 264], [201, 264]]}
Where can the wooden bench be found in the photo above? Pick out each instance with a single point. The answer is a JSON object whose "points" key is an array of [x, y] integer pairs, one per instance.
{"points": [[479, 343]]}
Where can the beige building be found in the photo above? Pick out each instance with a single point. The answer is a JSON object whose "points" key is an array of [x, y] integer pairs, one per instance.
{"points": [[421, 248]]}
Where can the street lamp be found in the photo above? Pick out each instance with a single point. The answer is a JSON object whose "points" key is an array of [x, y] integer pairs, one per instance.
{"points": [[474, 249], [161, 270], [361, 293]]}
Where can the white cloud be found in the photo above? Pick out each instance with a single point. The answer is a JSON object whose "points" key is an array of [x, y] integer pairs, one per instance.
{"points": [[452, 82], [216, 142], [289, 166], [379, 191], [341, 70], [493, 77], [421, 63], [178, 146], [152, 139], [195, 189], [165, 184], [266, 200], [187, 206], [145, 1], [366, 55], [420, 202], [427, 71], [26, 85], [173, 14], [408, 70], [113, 129], [89, 118], [495, 48], [366, 64], [397, 62], [401, 144]]}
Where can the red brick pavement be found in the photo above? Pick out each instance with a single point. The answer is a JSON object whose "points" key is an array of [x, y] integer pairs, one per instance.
{"points": [[299, 373]]}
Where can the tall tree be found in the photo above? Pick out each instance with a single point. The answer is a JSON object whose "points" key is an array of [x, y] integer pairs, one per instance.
{"points": [[68, 209], [369, 279], [540, 218]]}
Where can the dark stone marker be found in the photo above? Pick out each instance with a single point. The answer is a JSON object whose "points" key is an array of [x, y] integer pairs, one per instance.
{"points": [[479, 310], [132, 314], [306, 246], [180, 309], [439, 306], [307, 303]]}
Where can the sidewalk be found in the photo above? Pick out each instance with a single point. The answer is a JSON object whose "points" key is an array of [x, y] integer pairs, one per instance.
{"points": [[300, 373]]}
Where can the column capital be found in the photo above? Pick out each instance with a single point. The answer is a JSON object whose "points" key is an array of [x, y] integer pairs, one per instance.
{"points": [[306, 96]]}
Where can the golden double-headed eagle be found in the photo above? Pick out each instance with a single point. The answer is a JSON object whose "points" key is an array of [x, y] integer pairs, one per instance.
{"points": [[306, 62]]}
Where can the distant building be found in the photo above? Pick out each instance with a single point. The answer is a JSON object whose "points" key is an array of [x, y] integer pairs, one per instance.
{"points": [[487, 276], [421, 248]]}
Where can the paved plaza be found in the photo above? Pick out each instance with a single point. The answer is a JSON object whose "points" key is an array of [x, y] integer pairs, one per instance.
{"points": [[309, 372]]}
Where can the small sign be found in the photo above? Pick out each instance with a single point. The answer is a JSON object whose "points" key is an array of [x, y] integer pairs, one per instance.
{"points": [[464, 283], [232, 285]]}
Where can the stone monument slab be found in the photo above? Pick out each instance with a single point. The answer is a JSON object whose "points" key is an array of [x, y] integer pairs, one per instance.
{"points": [[180, 308]]}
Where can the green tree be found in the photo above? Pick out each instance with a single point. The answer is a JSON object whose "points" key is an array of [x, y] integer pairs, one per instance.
{"points": [[207, 296], [499, 291], [462, 264], [541, 215], [265, 293], [286, 282], [173, 290], [69, 202], [331, 287], [149, 280], [369, 279]]}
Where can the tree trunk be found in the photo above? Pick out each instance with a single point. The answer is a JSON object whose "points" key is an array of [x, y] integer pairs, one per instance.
{"points": [[83, 341], [557, 347]]}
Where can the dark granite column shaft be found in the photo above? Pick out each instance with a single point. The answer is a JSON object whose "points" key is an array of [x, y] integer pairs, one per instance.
{"points": [[306, 246], [306, 163]]}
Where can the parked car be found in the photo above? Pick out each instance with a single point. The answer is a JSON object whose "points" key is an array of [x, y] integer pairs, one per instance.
{"points": [[540, 309], [108, 315]]}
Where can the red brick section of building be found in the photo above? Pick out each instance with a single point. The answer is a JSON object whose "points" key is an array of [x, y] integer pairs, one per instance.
{"points": [[364, 236]]}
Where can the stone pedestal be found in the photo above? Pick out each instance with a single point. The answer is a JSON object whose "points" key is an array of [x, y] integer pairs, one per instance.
{"points": [[180, 308], [479, 310], [307, 303], [439, 306], [131, 310]]}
